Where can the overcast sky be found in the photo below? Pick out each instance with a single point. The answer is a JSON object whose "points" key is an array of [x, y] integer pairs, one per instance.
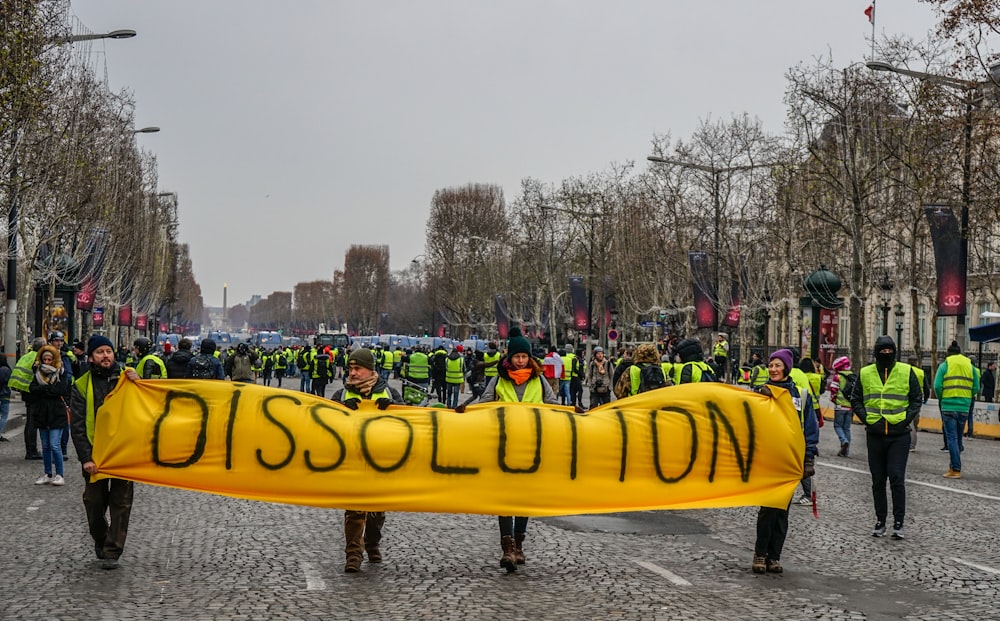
{"points": [[291, 130]]}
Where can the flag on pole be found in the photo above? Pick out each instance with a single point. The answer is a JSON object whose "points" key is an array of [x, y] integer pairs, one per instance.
{"points": [[870, 13]]}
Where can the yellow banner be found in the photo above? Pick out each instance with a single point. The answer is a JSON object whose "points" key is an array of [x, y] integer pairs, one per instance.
{"points": [[683, 447]]}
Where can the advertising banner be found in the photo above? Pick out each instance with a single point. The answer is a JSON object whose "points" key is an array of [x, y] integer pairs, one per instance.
{"points": [[705, 311], [578, 297], [949, 260]]}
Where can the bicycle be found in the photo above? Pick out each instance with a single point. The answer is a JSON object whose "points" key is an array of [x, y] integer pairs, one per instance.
{"points": [[416, 394]]}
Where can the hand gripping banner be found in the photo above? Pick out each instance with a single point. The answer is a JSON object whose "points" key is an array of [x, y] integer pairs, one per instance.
{"points": [[683, 447]]}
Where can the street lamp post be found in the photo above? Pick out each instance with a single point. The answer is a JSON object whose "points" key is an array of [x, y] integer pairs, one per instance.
{"points": [[886, 286], [10, 317], [716, 172], [899, 331], [972, 92]]}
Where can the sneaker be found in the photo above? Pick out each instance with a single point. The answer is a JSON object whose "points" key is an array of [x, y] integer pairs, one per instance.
{"points": [[897, 531], [953, 474], [43, 480], [945, 448], [58, 480], [879, 530], [804, 500]]}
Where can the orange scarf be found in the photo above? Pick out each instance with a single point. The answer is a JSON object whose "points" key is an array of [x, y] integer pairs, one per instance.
{"points": [[519, 376]]}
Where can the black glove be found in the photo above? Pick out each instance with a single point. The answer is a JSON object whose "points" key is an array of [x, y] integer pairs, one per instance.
{"points": [[383, 403], [461, 408], [808, 466], [352, 403], [578, 409]]}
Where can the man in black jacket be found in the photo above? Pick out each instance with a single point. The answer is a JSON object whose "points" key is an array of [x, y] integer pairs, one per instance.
{"points": [[107, 496], [177, 362]]}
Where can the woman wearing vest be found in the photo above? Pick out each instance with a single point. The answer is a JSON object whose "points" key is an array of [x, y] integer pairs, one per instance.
{"points": [[772, 524], [519, 379], [363, 529], [842, 416], [886, 399]]}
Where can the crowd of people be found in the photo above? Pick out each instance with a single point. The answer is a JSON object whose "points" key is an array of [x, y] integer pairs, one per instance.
{"points": [[64, 388]]}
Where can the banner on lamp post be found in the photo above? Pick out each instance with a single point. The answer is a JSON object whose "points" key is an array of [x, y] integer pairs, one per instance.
{"points": [[503, 322], [125, 315], [141, 321], [98, 317], [578, 297], [949, 260], [705, 311], [85, 296]]}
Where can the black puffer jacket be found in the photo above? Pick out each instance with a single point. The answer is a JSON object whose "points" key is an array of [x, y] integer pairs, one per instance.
{"points": [[177, 364], [48, 402]]}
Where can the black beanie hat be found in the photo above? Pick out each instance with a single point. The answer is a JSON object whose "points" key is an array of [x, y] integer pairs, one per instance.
{"points": [[954, 348], [98, 340], [517, 344]]}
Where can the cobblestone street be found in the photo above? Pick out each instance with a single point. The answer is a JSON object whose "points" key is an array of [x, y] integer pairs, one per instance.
{"points": [[199, 556]]}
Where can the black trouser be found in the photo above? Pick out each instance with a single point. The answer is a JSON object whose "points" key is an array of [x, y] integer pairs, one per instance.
{"points": [[510, 526], [439, 389], [319, 387], [576, 391], [599, 398], [887, 456], [113, 497], [30, 432], [772, 528]]}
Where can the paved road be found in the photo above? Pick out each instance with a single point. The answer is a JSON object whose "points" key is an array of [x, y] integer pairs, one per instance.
{"points": [[199, 556]]}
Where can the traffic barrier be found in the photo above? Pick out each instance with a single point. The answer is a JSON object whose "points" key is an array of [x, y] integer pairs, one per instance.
{"points": [[692, 446], [985, 417]]}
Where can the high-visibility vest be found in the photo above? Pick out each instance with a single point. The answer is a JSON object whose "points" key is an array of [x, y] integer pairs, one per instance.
{"points": [[758, 376], [21, 375], [842, 400], [958, 378], [387, 361], [532, 391], [698, 368], [455, 370], [668, 371], [635, 371], [83, 385], [141, 367], [375, 396], [418, 367], [491, 370], [567, 360], [720, 349], [889, 400]]}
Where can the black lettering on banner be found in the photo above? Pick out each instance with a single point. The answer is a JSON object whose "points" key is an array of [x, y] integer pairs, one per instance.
{"points": [[367, 453], [434, 452], [199, 446], [572, 431], [656, 443], [233, 405], [265, 407], [502, 451], [716, 415], [307, 455], [621, 423]]}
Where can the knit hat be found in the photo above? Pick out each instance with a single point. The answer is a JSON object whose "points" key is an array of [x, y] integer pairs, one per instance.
{"points": [[98, 340], [842, 363], [954, 348], [517, 344], [363, 358], [785, 357]]}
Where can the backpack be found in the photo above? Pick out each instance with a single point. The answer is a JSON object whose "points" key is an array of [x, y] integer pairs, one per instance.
{"points": [[847, 388], [201, 367], [651, 377], [241, 367], [439, 363]]}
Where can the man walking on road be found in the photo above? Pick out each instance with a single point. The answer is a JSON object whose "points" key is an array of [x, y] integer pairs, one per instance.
{"points": [[887, 399], [955, 384]]}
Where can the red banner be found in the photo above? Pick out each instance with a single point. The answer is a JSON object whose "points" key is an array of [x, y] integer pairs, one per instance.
{"points": [[503, 323], [98, 317], [578, 297], [125, 315], [828, 320], [141, 321], [85, 296], [949, 260], [705, 312]]}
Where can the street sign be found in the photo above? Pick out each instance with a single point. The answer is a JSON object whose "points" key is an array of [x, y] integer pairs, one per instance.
{"points": [[650, 324], [612, 335]]}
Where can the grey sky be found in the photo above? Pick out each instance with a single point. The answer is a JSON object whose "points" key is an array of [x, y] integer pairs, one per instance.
{"points": [[291, 130]]}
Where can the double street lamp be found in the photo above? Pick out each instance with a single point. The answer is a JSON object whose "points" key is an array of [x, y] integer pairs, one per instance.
{"points": [[13, 220], [972, 94]]}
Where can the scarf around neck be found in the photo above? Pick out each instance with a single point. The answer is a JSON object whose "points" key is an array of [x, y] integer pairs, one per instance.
{"points": [[363, 387]]}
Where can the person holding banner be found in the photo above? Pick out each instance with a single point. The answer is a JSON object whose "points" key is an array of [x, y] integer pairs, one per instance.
{"points": [[772, 524], [519, 380], [106, 496], [363, 529]]}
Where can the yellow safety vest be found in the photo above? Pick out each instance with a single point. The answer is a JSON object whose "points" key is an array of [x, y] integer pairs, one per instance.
{"points": [[141, 367], [958, 379], [532, 391], [418, 368], [375, 396], [455, 370], [889, 400], [491, 371], [842, 401]]}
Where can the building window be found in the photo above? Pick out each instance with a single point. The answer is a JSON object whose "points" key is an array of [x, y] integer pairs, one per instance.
{"points": [[984, 307], [942, 333], [843, 332]]}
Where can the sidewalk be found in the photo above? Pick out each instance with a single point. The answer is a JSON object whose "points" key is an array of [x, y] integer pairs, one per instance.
{"points": [[15, 422]]}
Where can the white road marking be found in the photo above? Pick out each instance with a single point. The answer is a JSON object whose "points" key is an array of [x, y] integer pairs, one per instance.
{"points": [[933, 485], [314, 581], [977, 566], [669, 575], [36, 505]]}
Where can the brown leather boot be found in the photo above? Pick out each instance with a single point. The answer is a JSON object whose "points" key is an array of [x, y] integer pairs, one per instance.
{"points": [[354, 532], [373, 535], [518, 551], [507, 560]]}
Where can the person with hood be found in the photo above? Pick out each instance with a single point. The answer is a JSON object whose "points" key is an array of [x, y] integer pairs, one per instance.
{"points": [[47, 394], [519, 380], [886, 399], [645, 356], [772, 524], [454, 376], [206, 365], [363, 529], [693, 368], [842, 415], [956, 384], [177, 363], [110, 496]]}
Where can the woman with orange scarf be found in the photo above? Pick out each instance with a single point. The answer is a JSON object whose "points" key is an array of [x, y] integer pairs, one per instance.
{"points": [[519, 379]]}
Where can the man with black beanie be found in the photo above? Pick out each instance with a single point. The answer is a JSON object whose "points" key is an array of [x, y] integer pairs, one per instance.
{"points": [[886, 399]]}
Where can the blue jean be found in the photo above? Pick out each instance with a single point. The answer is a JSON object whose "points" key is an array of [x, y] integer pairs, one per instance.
{"points": [[564, 395], [305, 382], [953, 423], [52, 450], [451, 399], [4, 413], [842, 424]]}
